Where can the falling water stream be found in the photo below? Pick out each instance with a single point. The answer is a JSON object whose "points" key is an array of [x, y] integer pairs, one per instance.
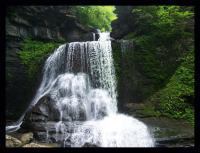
{"points": [[79, 77]]}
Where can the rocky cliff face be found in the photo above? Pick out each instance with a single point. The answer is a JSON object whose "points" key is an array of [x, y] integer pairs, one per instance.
{"points": [[124, 24], [43, 23], [129, 77]]}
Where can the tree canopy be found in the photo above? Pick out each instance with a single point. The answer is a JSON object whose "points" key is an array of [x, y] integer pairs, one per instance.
{"points": [[99, 17]]}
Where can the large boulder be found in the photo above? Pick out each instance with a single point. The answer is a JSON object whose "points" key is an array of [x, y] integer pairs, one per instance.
{"points": [[44, 120], [12, 142]]}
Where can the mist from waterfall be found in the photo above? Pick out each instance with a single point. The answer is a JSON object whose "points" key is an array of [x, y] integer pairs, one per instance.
{"points": [[79, 78]]}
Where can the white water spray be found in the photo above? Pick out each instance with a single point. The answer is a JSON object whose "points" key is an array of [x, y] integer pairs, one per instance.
{"points": [[80, 80]]}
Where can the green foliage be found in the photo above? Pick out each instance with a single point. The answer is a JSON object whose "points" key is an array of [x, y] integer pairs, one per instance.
{"points": [[164, 18], [171, 15], [161, 34], [33, 52], [96, 16], [153, 68], [149, 110], [164, 25], [172, 99]]}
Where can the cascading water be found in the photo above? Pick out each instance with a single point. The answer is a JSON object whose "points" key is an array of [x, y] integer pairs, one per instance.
{"points": [[79, 78], [126, 45]]}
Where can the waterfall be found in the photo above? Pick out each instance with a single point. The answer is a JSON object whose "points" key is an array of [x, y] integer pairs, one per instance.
{"points": [[79, 78], [126, 45], [93, 36]]}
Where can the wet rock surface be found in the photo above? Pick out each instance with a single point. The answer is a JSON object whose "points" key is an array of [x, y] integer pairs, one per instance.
{"points": [[166, 132], [44, 120], [124, 16], [170, 132]]}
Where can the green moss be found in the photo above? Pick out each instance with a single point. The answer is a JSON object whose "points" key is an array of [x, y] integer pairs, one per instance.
{"points": [[33, 53], [176, 99], [154, 59], [148, 110], [160, 37], [171, 88]]}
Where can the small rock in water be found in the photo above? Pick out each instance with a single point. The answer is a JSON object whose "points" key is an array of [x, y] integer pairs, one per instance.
{"points": [[12, 142]]}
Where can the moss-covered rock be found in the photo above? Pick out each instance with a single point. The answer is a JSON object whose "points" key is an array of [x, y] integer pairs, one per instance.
{"points": [[33, 54], [177, 97], [153, 66]]}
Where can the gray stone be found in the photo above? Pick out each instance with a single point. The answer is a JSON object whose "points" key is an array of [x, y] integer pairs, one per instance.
{"points": [[12, 30], [49, 137], [23, 32], [41, 126]]}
